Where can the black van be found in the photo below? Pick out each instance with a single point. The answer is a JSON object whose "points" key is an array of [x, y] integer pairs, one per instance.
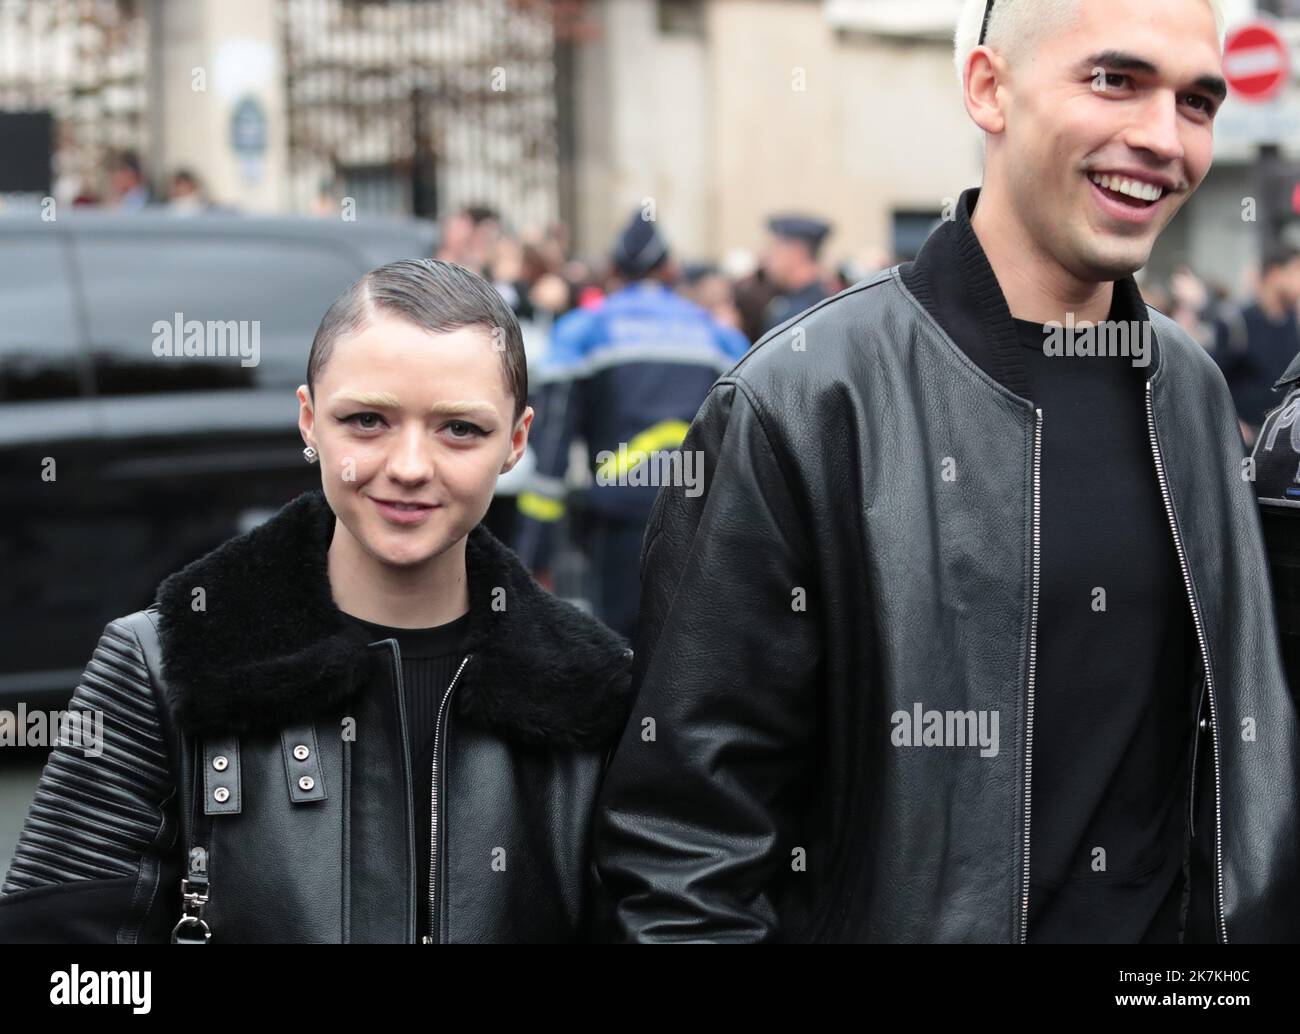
{"points": [[109, 429]]}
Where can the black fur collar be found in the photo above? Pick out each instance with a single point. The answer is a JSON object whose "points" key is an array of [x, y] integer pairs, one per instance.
{"points": [[271, 646]]}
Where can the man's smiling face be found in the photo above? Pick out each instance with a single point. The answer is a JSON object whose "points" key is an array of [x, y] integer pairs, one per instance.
{"points": [[1109, 129]]}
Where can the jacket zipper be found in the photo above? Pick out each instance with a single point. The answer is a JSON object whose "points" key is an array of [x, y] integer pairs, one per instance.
{"points": [[1033, 664], [432, 936], [395, 657], [1196, 743], [347, 839], [1222, 930]]}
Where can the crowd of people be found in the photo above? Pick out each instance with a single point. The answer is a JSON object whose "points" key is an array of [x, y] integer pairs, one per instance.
{"points": [[129, 189], [603, 391], [1252, 338], [541, 279]]}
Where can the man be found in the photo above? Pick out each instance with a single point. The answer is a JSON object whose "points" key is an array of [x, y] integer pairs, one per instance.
{"points": [[627, 377], [469, 236], [127, 184], [968, 637], [791, 265], [187, 196], [1271, 338], [754, 292]]}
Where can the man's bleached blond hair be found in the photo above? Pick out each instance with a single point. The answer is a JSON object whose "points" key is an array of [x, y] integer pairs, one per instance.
{"points": [[1017, 25]]}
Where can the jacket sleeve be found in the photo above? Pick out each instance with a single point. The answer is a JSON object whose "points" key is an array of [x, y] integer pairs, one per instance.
{"points": [[96, 859], [696, 825]]}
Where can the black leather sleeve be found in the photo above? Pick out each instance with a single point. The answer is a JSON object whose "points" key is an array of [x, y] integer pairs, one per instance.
{"points": [[96, 860], [694, 825]]}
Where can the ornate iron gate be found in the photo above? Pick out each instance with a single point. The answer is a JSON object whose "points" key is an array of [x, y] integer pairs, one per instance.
{"points": [[421, 106], [86, 62]]}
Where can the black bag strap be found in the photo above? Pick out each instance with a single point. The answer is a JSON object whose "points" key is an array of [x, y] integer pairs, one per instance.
{"points": [[196, 834]]}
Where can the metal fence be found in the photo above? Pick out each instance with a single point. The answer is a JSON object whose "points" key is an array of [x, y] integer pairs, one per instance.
{"points": [[421, 107], [86, 62], [407, 106]]}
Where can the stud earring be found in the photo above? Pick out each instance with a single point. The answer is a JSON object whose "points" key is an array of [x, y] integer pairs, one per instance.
{"points": [[309, 454]]}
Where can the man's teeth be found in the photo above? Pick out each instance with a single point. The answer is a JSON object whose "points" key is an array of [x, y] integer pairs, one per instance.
{"points": [[1133, 188]]}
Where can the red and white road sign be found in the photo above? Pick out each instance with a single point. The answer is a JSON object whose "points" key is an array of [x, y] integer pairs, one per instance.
{"points": [[1256, 62]]}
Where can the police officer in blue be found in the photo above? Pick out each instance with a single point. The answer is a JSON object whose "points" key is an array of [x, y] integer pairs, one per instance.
{"points": [[626, 377], [791, 265]]}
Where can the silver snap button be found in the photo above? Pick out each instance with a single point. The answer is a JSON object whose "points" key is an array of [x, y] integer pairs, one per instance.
{"points": [[301, 752], [306, 782], [220, 762], [221, 794]]}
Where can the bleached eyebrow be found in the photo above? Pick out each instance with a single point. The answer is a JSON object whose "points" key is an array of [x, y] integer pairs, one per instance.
{"points": [[382, 399], [483, 410], [387, 400]]}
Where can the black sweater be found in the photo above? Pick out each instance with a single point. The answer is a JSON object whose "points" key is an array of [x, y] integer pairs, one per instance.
{"points": [[430, 657], [1113, 721]]}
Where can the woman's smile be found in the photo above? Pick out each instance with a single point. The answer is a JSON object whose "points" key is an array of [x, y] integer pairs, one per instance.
{"points": [[404, 512]]}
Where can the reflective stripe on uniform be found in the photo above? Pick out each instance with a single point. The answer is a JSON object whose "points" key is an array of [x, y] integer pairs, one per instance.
{"points": [[539, 507], [667, 434]]}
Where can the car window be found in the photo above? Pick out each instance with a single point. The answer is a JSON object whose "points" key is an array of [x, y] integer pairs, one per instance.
{"points": [[204, 313], [39, 353]]}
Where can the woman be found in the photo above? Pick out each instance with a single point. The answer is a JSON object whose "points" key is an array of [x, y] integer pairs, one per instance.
{"points": [[361, 720]]}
